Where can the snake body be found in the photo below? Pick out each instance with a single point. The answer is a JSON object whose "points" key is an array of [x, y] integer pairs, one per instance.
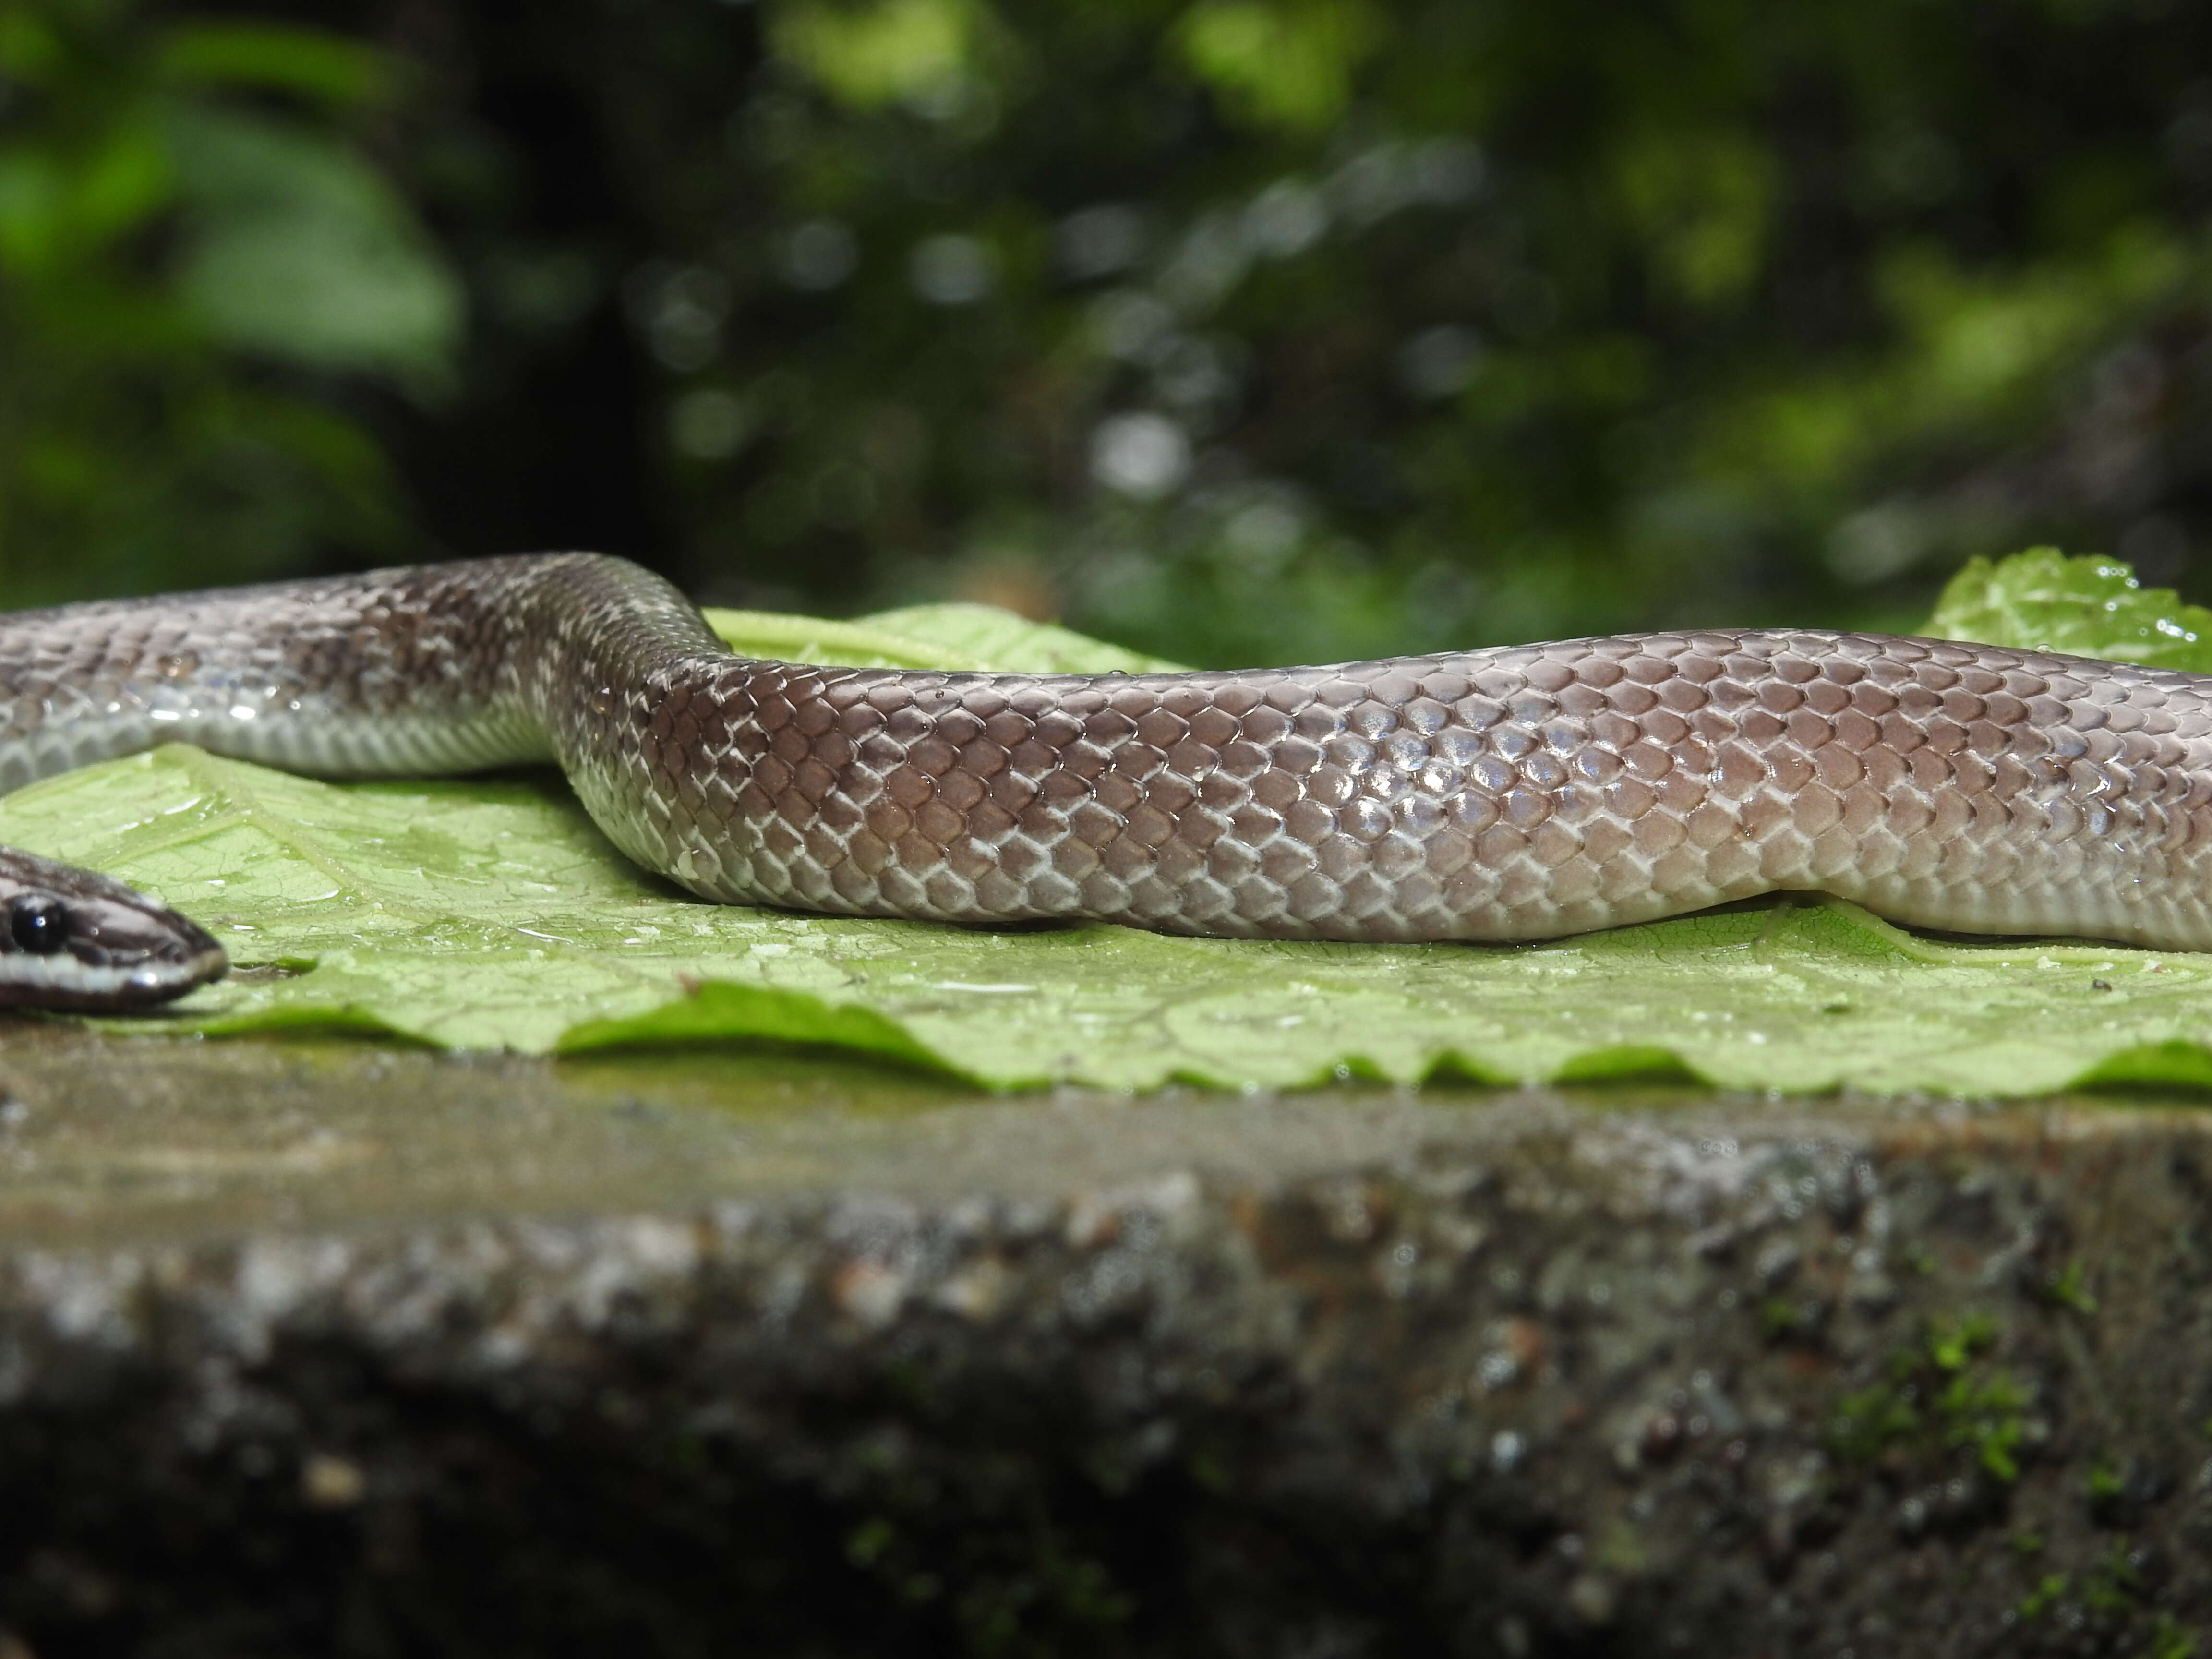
{"points": [[1511, 793]]}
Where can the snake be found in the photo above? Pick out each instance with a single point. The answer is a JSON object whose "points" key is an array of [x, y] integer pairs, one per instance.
{"points": [[1510, 794]]}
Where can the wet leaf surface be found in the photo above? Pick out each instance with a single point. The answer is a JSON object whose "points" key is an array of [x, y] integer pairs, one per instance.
{"points": [[490, 913]]}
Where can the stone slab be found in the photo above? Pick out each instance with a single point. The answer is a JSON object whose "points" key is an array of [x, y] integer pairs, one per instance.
{"points": [[334, 1349]]}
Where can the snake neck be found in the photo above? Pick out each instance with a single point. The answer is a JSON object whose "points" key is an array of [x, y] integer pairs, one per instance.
{"points": [[637, 697]]}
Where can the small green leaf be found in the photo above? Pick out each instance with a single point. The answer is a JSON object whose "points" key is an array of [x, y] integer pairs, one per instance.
{"points": [[30, 50], [57, 205], [299, 251], [972, 637], [2041, 600], [2048, 1589], [309, 62], [34, 209], [881, 52], [1286, 63]]}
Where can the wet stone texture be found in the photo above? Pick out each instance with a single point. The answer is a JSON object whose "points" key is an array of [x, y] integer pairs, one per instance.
{"points": [[339, 1351]]}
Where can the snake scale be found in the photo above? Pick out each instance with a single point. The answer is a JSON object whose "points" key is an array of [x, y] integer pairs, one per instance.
{"points": [[1511, 793]]}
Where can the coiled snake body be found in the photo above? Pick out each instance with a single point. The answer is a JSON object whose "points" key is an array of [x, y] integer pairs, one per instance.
{"points": [[1512, 793]]}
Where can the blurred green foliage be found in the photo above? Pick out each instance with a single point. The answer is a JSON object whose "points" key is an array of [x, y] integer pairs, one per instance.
{"points": [[1231, 329], [190, 244]]}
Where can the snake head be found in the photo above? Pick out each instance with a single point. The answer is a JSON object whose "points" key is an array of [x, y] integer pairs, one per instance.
{"points": [[73, 938]]}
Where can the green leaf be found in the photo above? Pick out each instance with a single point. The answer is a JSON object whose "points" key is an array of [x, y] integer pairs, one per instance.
{"points": [[34, 209], [872, 54], [973, 637], [1286, 63], [312, 62], [30, 50], [302, 253], [57, 205], [2091, 607], [490, 912]]}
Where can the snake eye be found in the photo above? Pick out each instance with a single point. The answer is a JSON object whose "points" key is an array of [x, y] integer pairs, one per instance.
{"points": [[39, 923]]}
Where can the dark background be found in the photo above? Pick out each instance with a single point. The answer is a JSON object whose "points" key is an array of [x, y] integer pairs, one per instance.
{"points": [[1241, 329]]}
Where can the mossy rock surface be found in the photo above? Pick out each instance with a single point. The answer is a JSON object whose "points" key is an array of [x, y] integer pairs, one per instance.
{"points": [[348, 1350]]}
